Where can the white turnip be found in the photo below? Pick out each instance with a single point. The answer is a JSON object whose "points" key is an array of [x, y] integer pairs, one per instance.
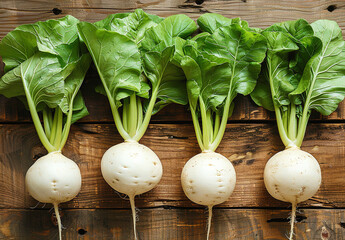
{"points": [[139, 78], [292, 176], [45, 66], [53, 179], [293, 86], [218, 65], [208, 179], [132, 169]]}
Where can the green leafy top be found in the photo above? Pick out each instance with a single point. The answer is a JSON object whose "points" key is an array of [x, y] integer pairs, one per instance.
{"points": [[218, 66], [304, 70], [44, 68], [133, 54]]}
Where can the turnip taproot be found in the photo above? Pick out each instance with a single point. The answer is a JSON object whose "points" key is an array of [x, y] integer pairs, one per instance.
{"points": [[53, 179], [44, 68], [304, 70], [219, 64], [139, 77]]}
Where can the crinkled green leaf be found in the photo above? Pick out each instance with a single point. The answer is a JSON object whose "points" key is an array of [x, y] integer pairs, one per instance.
{"points": [[155, 63], [162, 50], [277, 79], [165, 33], [79, 108], [41, 79], [16, 47], [210, 22], [56, 37], [245, 50], [208, 77], [132, 25], [302, 34], [297, 29], [117, 59], [262, 93], [11, 84], [72, 85], [323, 80], [172, 88], [107, 22]]}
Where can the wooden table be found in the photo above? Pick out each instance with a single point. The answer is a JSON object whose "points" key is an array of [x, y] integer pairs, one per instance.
{"points": [[165, 213]]}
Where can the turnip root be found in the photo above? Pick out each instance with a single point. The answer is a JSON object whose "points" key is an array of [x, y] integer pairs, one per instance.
{"points": [[208, 179], [46, 73], [54, 179], [292, 176], [131, 168], [214, 78], [140, 76], [293, 86]]}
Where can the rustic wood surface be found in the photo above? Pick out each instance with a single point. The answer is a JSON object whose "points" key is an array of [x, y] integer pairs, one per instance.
{"points": [[247, 146], [251, 138], [178, 224]]}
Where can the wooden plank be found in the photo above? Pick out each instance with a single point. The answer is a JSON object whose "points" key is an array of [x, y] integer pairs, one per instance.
{"points": [[172, 224], [259, 13], [248, 146]]}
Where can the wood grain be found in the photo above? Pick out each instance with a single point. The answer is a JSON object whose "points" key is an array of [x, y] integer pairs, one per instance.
{"points": [[172, 224], [247, 146], [259, 13]]}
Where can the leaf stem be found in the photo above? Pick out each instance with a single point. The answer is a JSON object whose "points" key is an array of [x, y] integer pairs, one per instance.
{"points": [[292, 128], [197, 128], [67, 126], [140, 112], [306, 112], [148, 114], [47, 126], [209, 124], [117, 119], [216, 125], [284, 115], [226, 115], [37, 123], [281, 129], [133, 115], [302, 128], [205, 128], [57, 139], [125, 114], [280, 123], [54, 127]]}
